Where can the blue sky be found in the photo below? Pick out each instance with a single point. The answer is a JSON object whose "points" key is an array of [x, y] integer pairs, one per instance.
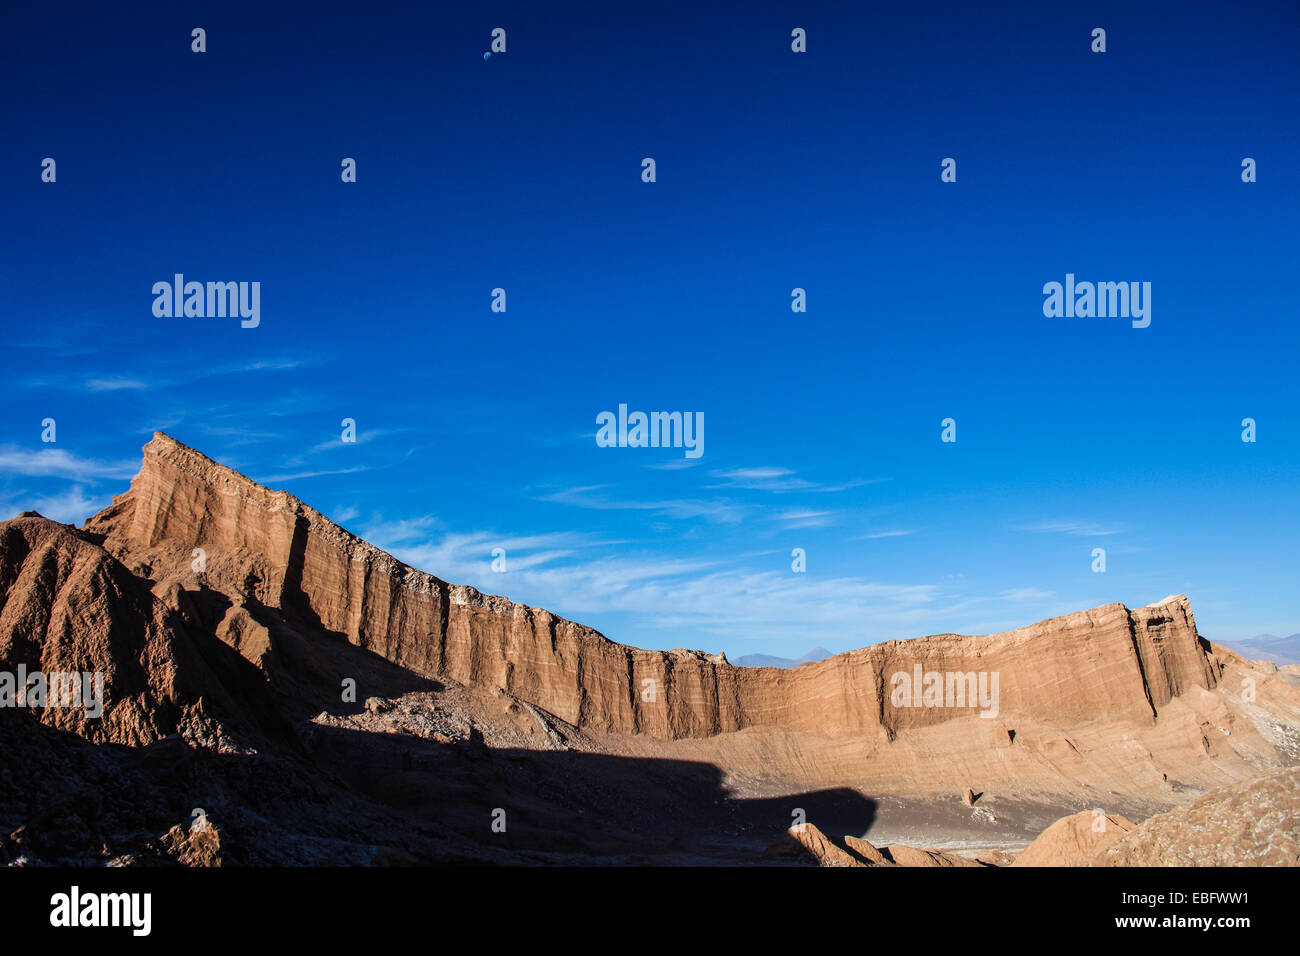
{"points": [[775, 170]]}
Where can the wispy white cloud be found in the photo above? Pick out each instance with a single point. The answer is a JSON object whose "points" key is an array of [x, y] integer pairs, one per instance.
{"points": [[779, 481], [1087, 529], [115, 384], [307, 469], [51, 462], [674, 464], [805, 519], [72, 506], [231, 436], [156, 376], [266, 365], [363, 436], [575, 574], [400, 531], [423, 542], [755, 474], [710, 510], [1026, 594], [317, 473], [883, 534]]}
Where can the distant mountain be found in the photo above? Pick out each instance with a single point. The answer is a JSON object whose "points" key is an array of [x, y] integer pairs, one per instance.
{"points": [[767, 660], [1268, 647]]}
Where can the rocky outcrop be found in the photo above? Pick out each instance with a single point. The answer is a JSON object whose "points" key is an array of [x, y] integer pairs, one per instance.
{"points": [[866, 851], [116, 664], [805, 843], [901, 855], [1256, 823], [271, 550], [1075, 840]]}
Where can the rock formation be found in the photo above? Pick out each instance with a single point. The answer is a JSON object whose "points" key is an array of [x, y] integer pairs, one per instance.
{"points": [[866, 852], [1075, 840], [901, 855], [1063, 686], [225, 616], [1256, 823], [270, 548], [70, 608], [806, 843]]}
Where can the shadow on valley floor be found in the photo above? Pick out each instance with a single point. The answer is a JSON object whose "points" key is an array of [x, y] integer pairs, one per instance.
{"points": [[364, 798], [575, 802]]}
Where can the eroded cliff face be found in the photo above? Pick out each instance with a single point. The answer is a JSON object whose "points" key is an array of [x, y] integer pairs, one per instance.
{"points": [[224, 617], [71, 612], [267, 549]]}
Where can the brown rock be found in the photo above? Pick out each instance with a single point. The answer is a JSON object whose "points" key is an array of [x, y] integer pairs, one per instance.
{"points": [[482, 702], [908, 856], [1075, 840], [71, 608], [1256, 823], [806, 843], [1110, 663], [866, 851], [198, 845]]}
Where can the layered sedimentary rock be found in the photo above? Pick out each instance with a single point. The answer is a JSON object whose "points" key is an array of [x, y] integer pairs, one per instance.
{"points": [[70, 612], [1109, 662], [225, 617]]}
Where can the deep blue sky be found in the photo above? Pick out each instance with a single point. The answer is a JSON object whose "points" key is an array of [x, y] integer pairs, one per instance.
{"points": [[775, 170]]}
